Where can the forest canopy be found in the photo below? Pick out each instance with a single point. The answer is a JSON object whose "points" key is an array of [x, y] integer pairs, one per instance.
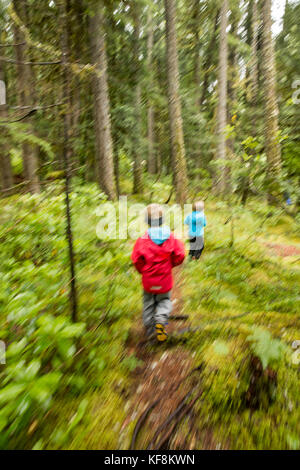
{"points": [[201, 90]]}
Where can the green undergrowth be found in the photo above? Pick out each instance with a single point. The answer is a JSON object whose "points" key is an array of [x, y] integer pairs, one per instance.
{"points": [[237, 275], [68, 385], [61, 379]]}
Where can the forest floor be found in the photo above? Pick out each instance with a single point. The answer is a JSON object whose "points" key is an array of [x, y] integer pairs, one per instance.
{"points": [[168, 374], [161, 385], [242, 302]]}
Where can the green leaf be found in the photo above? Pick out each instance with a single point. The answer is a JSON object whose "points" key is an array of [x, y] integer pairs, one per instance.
{"points": [[66, 348], [268, 349], [32, 369], [293, 442], [221, 348], [73, 330], [79, 414], [39, 445], [10, 392], [15, 348], [3, 422], [44, 387]]}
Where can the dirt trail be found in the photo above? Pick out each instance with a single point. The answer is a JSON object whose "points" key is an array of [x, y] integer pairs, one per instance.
{"points": [[283, 250], [164, 376]]}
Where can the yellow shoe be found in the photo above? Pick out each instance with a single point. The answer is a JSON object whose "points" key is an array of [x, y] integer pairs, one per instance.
{"points": [[161, 333]]}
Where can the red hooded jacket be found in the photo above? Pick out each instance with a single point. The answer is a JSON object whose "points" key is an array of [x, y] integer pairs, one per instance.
{"points": [[155, 262]]}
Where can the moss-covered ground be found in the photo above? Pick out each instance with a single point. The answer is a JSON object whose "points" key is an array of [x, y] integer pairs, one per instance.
{"points": [[239, 275]]}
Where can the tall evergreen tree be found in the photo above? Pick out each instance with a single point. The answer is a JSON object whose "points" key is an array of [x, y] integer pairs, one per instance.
{"points": [[137, 168], [252, 88], [104, 145], [272, 146], [150, 116], [233, 74], [26, 94], [220, 176], [5, 163], [176, 131]]}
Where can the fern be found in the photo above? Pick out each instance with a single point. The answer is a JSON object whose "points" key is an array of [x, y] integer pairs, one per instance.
{"points": [[268, 349], [20, 134]]}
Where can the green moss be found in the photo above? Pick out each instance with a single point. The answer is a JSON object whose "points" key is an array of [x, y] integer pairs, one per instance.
{"points": [[229, 282]]}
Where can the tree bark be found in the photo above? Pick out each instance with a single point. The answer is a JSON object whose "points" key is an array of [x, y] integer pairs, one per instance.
{"points": [[67, 153], [253, 85], [197, 80], [150, 114], [208, 59], [137, 157], [231, 88], [196, 20], [104, 145], [220, 174], [77, 50], [175, 118], [5, 163], [26, 98], [272, 146]]}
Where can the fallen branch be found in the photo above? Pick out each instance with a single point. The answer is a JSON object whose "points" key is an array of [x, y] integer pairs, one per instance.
{"points": [[146, 412], [169, 419], [186, 409], [141, 421], [199, 327], [178, 317]]}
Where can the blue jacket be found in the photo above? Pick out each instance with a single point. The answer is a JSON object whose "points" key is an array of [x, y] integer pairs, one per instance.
{"points": [[196, 222]]}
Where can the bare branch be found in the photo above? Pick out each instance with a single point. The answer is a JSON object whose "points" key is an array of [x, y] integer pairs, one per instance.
{"points": [[17, 62], [32, 111], [37, 107], [13, 45]]}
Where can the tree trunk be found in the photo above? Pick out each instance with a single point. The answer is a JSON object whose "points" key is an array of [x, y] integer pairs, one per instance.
{"points": [[67, 153], [26, 98], [150, 115], [5, 163], [175, 118], [196, 21], [253, 85], [197, 81], [208, 59], [272, 146], [137, 168], [220, 176], [232, 98], [104, 145], [77, 50]]}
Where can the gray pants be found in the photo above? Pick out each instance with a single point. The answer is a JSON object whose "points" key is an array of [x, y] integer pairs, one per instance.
{"points": [[157, 308]]}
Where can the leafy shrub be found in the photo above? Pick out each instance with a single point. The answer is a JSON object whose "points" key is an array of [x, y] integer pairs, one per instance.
{"points": [[269, 350], [34, 372]]}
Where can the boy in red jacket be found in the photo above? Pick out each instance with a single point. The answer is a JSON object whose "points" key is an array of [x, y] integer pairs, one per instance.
{"points": [[154, 255]]}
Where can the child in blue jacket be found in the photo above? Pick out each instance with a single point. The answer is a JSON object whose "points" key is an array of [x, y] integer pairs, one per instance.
{"points": [[196, 222]]}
